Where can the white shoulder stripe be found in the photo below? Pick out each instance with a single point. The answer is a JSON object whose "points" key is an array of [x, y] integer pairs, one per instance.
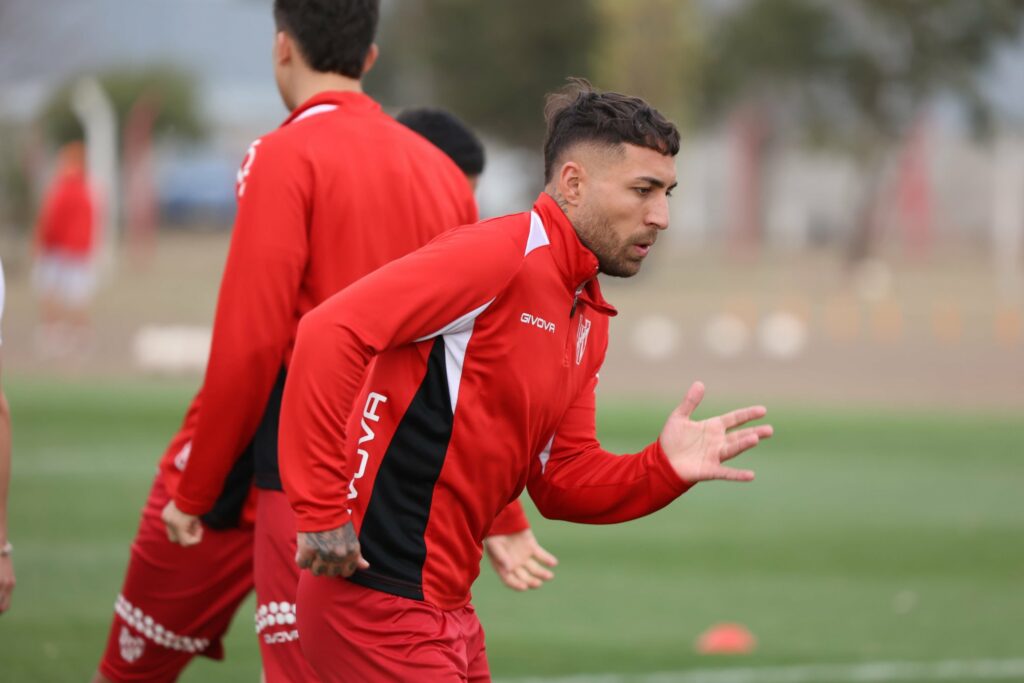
{"points": [[538, 235], [459, 324], [313, 111]]}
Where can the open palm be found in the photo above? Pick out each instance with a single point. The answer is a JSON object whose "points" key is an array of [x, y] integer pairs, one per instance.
{"points": [[697, 449]]}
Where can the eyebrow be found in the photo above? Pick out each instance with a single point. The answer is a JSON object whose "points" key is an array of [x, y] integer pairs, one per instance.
{"points": [[657, 183]]}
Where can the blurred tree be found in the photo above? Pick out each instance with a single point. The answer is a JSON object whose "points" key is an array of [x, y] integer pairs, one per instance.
{"points": [[173, 91], [491, 63], [858, 73], [17, 197], [653, 49]]}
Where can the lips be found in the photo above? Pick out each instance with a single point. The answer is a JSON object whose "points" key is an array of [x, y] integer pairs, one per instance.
{"points": [[644, 245]]}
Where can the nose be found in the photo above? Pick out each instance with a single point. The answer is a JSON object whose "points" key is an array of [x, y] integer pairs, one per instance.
{"points": [[657, 214]]}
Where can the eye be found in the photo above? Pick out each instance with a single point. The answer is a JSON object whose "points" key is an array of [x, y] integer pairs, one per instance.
{"points": [[642, 191], [669, 193]]}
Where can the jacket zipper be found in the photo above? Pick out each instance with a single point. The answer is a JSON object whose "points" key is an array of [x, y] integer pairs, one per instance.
{"points": [[569, 348]]}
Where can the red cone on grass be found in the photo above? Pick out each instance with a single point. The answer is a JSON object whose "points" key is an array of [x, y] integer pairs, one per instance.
{"points": [[726, 639]]}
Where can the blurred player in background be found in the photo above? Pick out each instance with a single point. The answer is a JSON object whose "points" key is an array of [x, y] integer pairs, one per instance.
{"points": [[338, 190], [451, 135], [64, 245], [6, 562]]}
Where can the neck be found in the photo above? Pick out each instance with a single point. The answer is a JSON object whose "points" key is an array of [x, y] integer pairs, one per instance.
{"points": [[314, 82], [553, 192]]}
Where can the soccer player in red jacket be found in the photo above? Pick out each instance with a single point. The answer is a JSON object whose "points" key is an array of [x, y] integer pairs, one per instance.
{"points": [[482, 381], [338, 190], [65, 244]]}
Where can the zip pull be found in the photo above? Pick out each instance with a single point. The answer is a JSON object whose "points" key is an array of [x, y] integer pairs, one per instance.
{"points": [[575, 300]]}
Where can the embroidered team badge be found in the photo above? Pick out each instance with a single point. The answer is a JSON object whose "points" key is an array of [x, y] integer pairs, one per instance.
{"points": [[581, 339], [131, 647], [243, 172]]}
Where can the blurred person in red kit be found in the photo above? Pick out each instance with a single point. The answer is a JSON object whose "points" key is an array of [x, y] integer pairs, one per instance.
{"points": [[64, 273]]}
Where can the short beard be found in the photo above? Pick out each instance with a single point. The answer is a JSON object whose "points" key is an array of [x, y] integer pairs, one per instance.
{"points": [[596, 234]]}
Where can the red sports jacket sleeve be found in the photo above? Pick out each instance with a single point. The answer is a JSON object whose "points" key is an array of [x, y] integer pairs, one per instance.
{"points": [[409, 299], [254, 320], [581, 482], [511, 520]]}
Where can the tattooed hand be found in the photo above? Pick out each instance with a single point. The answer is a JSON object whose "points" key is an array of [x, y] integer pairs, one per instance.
{"points": [[334, 552]]}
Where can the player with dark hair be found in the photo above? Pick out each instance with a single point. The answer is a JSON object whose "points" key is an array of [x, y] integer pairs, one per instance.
{"points": [[338, 190], [483, 380], [451, 135]]}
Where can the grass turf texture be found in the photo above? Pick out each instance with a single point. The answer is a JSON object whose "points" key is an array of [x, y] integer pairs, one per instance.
{"points": [[865, 537]]}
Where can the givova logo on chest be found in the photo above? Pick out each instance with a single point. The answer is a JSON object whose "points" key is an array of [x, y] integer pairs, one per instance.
{"points": [[539, 323]]}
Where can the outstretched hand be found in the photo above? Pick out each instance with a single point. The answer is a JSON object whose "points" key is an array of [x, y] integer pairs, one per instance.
{"points": [[697, 449], [519, 560], [334, 552]]}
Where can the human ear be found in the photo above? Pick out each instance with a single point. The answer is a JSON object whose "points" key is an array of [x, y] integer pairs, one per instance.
{"points": [[282, 48], [571, 179], [370, 59]]}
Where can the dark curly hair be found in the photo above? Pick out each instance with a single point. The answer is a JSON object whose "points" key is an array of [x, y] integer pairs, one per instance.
{"points": [[333, 35], [580, 113]]}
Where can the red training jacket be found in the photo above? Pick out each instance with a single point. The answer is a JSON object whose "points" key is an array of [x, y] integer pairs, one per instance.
{"points": [[335, 192], [66, 219], [485, 361]]}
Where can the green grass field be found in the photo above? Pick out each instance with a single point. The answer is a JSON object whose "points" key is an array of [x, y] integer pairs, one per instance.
{"points": [[866, 537]]}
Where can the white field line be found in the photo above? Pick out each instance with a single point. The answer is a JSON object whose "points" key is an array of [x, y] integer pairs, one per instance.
{"points": [[964, 670]]}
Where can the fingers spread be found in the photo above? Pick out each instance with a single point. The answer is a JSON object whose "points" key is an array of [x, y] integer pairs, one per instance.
{"points": [[743, 415], [744, 439], [512, 581], [733, 448], [538, 570], [730, 474], [693, 398], [524, 575], [545, 557]]}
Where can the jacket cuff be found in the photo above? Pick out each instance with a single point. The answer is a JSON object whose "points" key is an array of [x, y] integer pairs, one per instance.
{"points": [[327, 520], [664, 468], [511, 520], [190, 506]]}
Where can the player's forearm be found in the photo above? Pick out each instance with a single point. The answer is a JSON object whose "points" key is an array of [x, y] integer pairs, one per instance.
{"points": [[327, 370], [5, 464], [251, 333], [597, 487], [235, 397]]}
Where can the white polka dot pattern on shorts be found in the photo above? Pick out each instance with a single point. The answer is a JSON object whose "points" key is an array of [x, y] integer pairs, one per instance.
{"points": [[274, 614], [145, 625]]}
